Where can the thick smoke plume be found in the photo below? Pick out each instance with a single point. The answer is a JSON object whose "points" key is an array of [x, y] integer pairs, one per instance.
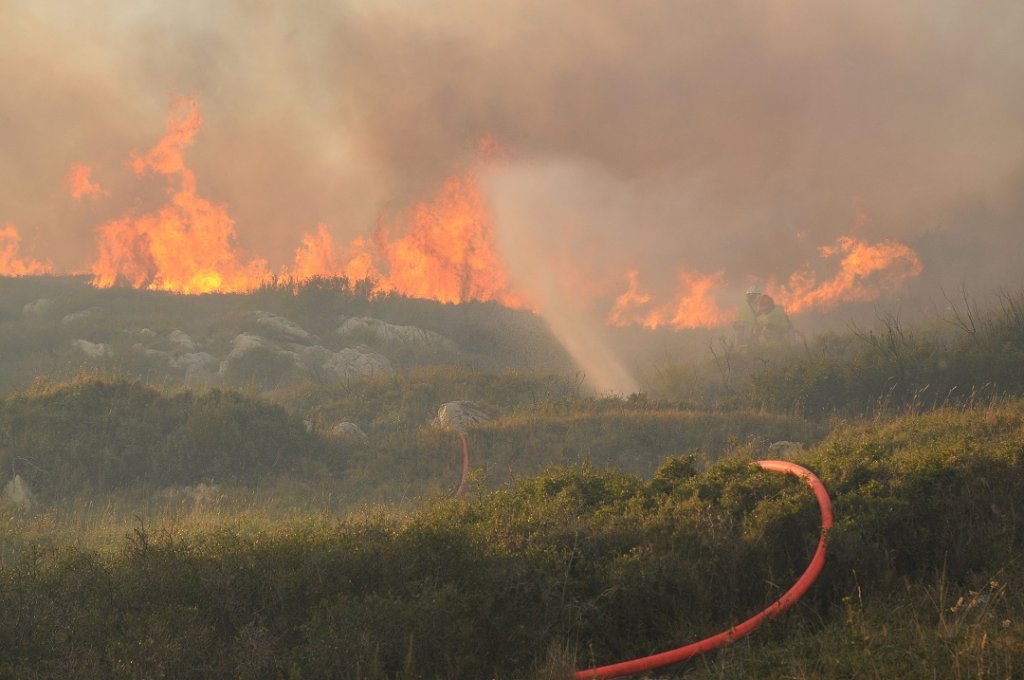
{"points": [[652, 146]]}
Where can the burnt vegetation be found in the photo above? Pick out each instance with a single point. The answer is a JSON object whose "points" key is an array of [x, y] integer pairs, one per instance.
{"points": [[231, 530]]}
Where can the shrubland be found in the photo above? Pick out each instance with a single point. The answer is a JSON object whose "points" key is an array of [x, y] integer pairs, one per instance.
{"points": [[210, 532], [574, 566]]}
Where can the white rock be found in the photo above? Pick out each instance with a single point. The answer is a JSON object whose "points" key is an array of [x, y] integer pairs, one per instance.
{"points": [[244, 343], [39, 308], [356, 363], [458, 415], [348, 430], [93, 349], [282, 325], [182, 340], [375, 330]]}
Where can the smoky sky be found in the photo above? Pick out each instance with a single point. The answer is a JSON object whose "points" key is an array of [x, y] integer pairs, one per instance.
{"points": [[705, 135]]}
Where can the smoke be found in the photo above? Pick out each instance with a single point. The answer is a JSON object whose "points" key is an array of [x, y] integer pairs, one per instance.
{"points": [[706, 136]]}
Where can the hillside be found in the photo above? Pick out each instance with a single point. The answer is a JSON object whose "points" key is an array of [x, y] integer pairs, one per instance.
{"points": [[323, 331], [276, 521]]}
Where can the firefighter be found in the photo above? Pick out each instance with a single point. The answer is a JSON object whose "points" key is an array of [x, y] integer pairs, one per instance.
{"points": [[773, 324], [745, 326]]}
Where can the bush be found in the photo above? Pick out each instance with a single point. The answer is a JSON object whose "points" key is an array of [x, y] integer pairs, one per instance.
{"points": [[96, 434]]}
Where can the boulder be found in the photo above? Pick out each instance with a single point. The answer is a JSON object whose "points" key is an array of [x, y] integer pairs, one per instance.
{"points": [[356, 363], [379, 332], [348, 430], [255, 350], [40, 308], [182, 341], [458, 415], [94, 350], [282, 326]]}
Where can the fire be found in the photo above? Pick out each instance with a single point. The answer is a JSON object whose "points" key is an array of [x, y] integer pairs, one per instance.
{"points": [[865, 270], [11, 263], [315, 257], [442, 249], [694, 306], [446, 250], [188, 245], [79, 180]]}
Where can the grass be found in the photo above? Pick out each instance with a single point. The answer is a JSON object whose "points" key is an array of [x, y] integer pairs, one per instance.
{"points": [[572, 567]]}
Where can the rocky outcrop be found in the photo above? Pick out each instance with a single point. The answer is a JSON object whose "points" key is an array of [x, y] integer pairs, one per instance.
{"points": [[282, 327], [377, 332]]}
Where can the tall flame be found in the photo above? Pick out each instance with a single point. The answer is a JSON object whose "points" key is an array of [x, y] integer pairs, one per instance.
{"points": [[13, 264], [80, 184], [446, 250], [315, 257], [188, 245], [443, 249]]}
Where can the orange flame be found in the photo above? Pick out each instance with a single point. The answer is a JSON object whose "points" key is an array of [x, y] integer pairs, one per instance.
{"points": [[445, 252], [79, 180], [188, 245], [443, 249], [693, 307], [11, 264], [315, 257], [865, 271]]}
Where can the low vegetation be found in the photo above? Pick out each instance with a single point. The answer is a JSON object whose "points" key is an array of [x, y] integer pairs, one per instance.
{"points": [[574, 565], [210, 532]]}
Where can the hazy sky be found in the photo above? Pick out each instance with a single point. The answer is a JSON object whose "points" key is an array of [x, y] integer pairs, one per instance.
{"points": [[704, 134]]}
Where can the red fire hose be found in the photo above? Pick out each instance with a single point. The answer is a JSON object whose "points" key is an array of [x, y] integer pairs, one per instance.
{"points": [[787, 600]]}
